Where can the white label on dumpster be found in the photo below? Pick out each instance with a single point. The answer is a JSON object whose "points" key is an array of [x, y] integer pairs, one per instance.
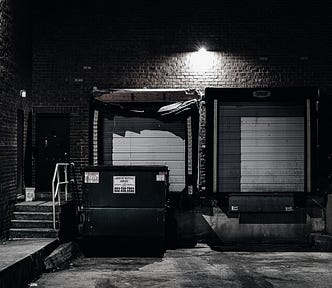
{"points": [[91, 177], [124, 184]]}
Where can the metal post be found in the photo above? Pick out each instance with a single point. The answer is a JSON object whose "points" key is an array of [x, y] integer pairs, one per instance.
{"points": [[308, 152], [66, 182], [58, 190], [215, 144], [53, 194]]}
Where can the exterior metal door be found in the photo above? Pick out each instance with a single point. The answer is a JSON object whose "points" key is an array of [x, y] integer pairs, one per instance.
{"points": [[261, 148], [146, 141], [52, 147]]}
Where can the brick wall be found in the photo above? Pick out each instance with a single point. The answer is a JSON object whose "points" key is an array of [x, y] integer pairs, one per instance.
{"points": [[14, 76], [139, 48], [153, 46], [77, 46]]}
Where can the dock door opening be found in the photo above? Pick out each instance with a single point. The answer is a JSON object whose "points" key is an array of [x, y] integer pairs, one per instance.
{"points": [[261, 148], [146, 141]]}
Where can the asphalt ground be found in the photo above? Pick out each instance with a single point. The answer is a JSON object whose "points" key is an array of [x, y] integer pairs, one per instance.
{"points": [[200, 266]]}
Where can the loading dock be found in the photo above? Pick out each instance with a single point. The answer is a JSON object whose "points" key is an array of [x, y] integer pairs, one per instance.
{"points": [[261, 147], [148, 127]]}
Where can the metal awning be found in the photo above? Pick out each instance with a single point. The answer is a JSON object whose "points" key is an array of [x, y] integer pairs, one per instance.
{"points": [[145, 95], [133, 102]]}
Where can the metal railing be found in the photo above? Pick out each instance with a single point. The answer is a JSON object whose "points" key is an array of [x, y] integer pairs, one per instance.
{"points": [[56, 185], [74, 189]]}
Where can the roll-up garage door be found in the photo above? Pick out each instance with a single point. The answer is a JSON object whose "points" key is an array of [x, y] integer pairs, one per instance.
{"points": [[261, 148], [146, 141]]}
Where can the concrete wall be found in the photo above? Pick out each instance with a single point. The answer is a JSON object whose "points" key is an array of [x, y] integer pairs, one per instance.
{"points": [[14, 75]]}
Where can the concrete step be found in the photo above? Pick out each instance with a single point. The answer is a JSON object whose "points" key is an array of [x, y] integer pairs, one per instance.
{"points": [[36, 206], [61, 255], [33, 224], [15, 233], [35, 216], [34, 219], [47, 196]]}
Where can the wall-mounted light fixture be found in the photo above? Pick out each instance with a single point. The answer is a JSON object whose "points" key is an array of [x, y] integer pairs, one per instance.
{"points": [[202, 60], [23, 93], [202, 50]]}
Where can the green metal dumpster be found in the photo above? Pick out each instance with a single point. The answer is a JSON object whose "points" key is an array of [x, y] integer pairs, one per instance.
{"points": [[125, 205]]}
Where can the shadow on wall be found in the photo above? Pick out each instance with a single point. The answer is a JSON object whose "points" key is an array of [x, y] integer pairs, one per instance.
{"points": [[5, 209], [138, 125]]}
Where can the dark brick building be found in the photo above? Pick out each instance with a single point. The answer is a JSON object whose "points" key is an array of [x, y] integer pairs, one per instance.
{"points": [[78, 46], [15, 73]]}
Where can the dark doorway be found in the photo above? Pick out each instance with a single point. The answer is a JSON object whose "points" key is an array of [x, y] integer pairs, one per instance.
{"points": [[52, 147], [20, 135], [28, 153]]}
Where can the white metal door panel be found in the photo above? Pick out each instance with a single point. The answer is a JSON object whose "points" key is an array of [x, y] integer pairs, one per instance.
{"points": [[147, 146], [272, 154]]}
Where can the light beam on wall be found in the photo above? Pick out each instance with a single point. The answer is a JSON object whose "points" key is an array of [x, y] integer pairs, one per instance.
{"points": [[202, 60]]}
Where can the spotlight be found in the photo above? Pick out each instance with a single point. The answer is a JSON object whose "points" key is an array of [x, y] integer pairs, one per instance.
{"points": [[201, 60], [202, 50]]}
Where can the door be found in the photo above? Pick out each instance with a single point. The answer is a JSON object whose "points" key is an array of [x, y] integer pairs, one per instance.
{"points": [[20, 131], [261, 147], [146, 141], [52, 147]]}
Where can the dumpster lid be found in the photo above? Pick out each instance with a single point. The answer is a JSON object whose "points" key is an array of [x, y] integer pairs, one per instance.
{"points": [[125, 167]]}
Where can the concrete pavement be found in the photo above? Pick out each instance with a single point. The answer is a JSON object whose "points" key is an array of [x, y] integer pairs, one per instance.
{"points": [[199, 267]]}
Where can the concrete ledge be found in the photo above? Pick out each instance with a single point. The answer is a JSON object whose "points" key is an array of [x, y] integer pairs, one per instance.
{"points": [[22, 260], [61, 255]]}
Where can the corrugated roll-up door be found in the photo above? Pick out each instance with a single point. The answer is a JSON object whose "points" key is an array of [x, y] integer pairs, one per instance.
{"points": [[146, 141], [261, 148]]}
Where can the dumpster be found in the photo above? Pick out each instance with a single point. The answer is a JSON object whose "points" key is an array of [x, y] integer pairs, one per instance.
{"points": [[124, 206]]}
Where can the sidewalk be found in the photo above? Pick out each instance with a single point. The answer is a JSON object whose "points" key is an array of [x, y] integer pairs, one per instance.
{"points": [[21, 261]]}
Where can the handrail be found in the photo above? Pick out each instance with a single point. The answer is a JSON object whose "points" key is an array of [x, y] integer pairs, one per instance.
{"points": [[76, 195], [56, 188]]}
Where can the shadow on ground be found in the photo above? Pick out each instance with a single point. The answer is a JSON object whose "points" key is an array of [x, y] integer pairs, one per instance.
{"points": [[122, 248], [264, 248]]}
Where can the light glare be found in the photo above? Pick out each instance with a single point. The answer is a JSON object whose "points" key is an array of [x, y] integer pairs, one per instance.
{"points": [[202, 50], [23, 93], [202, 60]]}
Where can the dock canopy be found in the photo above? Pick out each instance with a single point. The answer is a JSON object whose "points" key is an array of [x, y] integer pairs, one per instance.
{"points": [[148, 127], [163, 103]]}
